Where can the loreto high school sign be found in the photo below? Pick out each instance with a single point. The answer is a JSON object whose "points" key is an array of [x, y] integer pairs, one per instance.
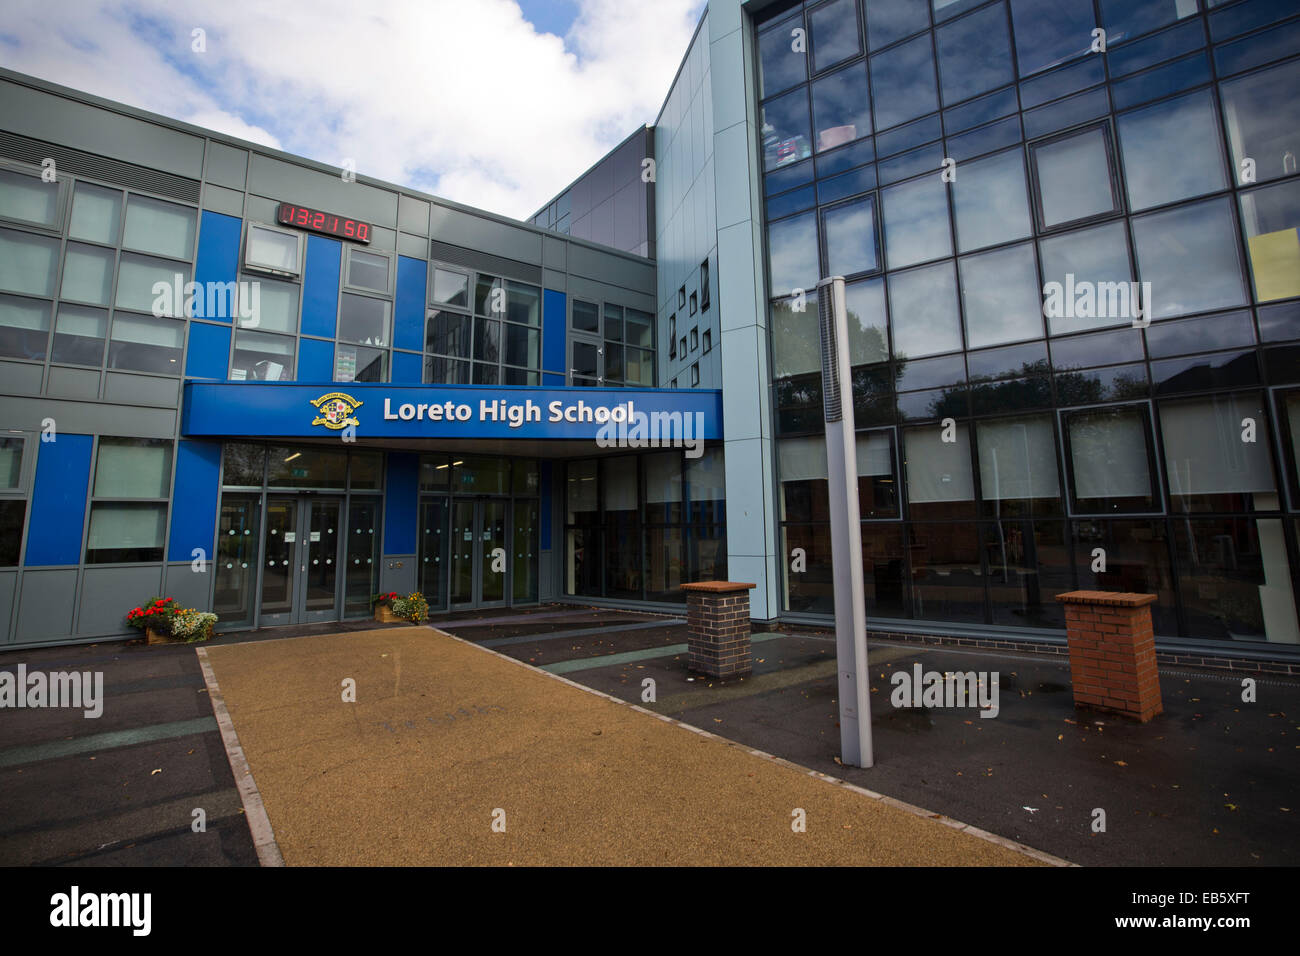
{"points": [[612, 417]]}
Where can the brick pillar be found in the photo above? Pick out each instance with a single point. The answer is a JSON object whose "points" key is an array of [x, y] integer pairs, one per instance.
{"points": [[1112, 652], [717, 616]]}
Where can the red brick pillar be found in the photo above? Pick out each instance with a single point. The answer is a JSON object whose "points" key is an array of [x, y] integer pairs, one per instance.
{"points": [[717, 616], [1112, 652]]}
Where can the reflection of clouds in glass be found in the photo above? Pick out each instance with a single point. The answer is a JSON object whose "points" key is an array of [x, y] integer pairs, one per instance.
{"points": [[916, 222], [1000, 295], [840, 108], [1098, 254], [1050, 32], [851, 238], [796, 338], [1074, 177], [990, 201], [902, 82], [1263, 119], [865, 303], [785, 129], [833, 30], [1151, 137], [1189, 255], [974, 54], [792, 254], [923, 310]]}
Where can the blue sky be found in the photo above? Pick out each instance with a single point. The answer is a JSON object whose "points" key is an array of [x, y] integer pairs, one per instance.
{"points": [[494, 103]]}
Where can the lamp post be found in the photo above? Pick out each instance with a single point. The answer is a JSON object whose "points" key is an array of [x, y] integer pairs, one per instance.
{"points": [[846, 528]]}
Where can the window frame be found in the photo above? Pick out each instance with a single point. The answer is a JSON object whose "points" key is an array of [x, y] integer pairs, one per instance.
{"points": [[1118, 194], [353, 250], [93, 499], [62, 202], [248, 264], [1155, 467]]}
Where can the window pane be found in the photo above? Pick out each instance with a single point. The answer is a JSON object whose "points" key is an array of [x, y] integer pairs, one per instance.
{"points": [[79, 335], [1186, 127], [1095, 256], [902, 83], [487, 340], [1270, 217], [13, 513], [27, 262], [243, 464], [1262, 113], [868, 341], [877, 489], [1236, 580], [586, 316], [923, 304], [841, 112], [136, 277], [447, 333], [916, 222], [363, 320], [792, 248], [87, 274], [1137, 560], [1130, 18], [974, 54], [1189, 255], [262, 358], [833, 33], [291, 467], [990, 201], [890, 20], [850, 233], [489, 296], [272, 306], [1074, 177], [796, 348], [24, 327], [779, 64], [1018, 464], [785, 130], [640, 328], [162, 228], [11, 462], [1207, 464], [580, 493], [352, 363], [28, 198], [133, 468], [940, 483], [146, 344], [1049, 32], [125, 532], [1108, 449], [999, 293], [368, 270], [450, 288], [523, 303], [272, 249], [613, 322], [704, 482], [444, 371], [486, 374], [96, 214], [523, 346]]}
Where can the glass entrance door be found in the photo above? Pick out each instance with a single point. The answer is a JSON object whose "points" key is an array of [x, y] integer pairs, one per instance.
{"points": [[480, 552], [300, 560]]}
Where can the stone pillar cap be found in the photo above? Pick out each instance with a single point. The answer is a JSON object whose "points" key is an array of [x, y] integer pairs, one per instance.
{"points": [[718, 587], [1107, 598]]}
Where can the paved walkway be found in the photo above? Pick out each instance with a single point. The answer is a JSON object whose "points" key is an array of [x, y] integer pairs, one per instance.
{"points": [[444, 738]]}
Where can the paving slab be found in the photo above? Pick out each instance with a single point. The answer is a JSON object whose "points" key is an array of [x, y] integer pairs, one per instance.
{"points": [[445, 737]]}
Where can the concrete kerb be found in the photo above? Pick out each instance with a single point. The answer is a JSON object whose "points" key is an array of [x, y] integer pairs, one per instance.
{"points": [[259, 824], [1036, 854]]}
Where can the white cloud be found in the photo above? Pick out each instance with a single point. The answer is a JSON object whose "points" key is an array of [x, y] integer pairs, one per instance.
{"points": [[463, 99]]}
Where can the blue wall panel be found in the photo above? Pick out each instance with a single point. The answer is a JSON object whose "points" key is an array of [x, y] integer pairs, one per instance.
{"points": [[217, 260], [207, 353], [552, 379], [408, 305], [545, 493], [320, 286], [408, 369], [59, 501], [555, 323], [401, 500], [315, 361], [194, 500]]}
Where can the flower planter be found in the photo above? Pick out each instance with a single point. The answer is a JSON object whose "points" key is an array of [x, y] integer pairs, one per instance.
{"points": [[157, 637], [384, 615]]}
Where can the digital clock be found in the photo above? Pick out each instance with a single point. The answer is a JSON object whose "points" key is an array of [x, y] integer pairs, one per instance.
{"points": [[331, 225]]}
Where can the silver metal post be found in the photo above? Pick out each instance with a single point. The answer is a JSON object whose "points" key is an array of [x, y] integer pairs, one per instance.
{"points": [[846, 529]]}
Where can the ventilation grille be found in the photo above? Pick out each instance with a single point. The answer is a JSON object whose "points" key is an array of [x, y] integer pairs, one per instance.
{"points": [[78, 163], [830, 353], [484, 262]]}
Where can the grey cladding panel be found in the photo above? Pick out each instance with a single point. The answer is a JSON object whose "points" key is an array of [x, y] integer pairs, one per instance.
{"points": [[20, 378], [8, 581], [82, 383], [220, 199], [144, 389], [287, 182], [612, 269], [475, 232], [44, 611], [413, 215], [554, 252], [414, 246], [190, 588], [107, 593], [84, 418], [50, 117], [227, 166]]}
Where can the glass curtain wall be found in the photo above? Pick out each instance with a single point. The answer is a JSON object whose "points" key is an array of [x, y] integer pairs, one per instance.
{"points": [[1073, 285]]}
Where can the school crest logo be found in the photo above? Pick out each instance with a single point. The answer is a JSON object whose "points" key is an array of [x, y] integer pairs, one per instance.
{"points": [[336, 410]]}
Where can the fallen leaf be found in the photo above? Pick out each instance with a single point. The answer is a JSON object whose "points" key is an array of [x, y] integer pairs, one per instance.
{"points": [[152, 772], [1030, 809], [1120, 763]]}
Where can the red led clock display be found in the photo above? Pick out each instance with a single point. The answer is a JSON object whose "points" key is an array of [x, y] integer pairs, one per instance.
{"points": [[331, 225]]}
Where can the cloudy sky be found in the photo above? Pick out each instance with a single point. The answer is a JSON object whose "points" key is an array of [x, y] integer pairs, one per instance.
{"points": [[494, 103]]}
